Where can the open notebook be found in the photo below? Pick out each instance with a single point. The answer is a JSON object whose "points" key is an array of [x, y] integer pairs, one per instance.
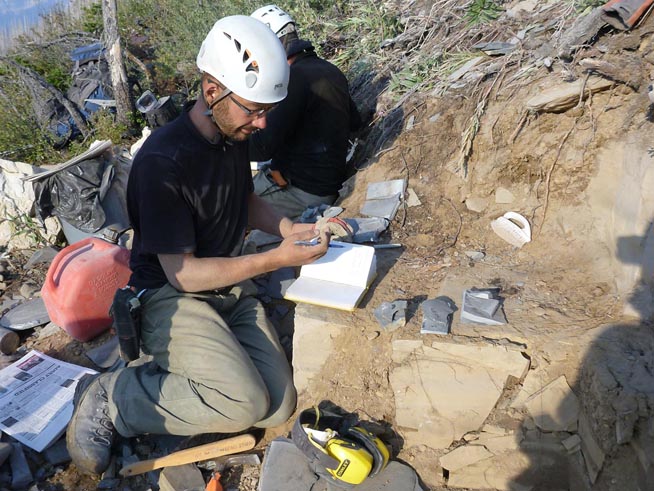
{"points": [[338, 279]]}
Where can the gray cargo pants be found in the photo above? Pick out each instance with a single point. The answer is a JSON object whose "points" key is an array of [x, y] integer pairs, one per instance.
{"points": [[218, 367], [290, 201]]}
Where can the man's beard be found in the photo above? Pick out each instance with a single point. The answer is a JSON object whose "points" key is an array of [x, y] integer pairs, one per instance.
{"points": [[240, 133], [229, 129]]}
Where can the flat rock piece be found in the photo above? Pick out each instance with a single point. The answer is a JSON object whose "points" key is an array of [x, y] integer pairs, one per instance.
{"points": [[464, 456], [555, 407], [444, 391], [562, 97], [26, 315]]}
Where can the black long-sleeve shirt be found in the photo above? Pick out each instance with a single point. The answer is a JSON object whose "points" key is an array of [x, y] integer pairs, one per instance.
{"points": [[307, 133]]}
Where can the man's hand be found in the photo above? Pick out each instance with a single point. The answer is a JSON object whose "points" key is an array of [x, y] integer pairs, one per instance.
{"points": [[337, 228], [277, 178], [291, 254], [189, 273]]}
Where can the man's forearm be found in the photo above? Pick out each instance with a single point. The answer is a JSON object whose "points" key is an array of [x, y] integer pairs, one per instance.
{"points": [[287, 227], [193, 274]]}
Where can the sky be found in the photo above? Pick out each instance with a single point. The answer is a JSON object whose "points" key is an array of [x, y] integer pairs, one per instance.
{"points": [[17, 16], [22, 12]]}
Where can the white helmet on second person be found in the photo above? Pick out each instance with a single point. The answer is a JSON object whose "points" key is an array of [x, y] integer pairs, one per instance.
{"points": [[244, 55], [276, 19]]}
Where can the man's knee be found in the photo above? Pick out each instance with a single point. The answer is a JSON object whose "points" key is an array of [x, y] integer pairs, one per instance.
{"points": [[247, 411], [280, 414]]}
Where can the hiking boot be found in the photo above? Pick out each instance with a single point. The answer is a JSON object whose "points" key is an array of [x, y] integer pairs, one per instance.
{"points": [[90, 433]]}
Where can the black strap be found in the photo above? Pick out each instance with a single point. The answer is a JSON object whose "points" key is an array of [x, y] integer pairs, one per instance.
{"points": [[301, 440]]}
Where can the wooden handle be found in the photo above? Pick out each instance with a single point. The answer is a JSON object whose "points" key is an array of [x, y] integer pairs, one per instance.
{"points": [[228, 446]]}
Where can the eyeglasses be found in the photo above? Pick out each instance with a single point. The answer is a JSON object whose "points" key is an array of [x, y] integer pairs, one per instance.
{"points": [[252, 112]]}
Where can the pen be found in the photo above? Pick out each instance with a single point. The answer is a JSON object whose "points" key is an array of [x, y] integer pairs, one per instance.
{"points": [[387, 246], [313, 243]]}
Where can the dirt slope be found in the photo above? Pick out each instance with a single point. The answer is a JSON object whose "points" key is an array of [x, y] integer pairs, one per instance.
{"points": [[580, 177]]}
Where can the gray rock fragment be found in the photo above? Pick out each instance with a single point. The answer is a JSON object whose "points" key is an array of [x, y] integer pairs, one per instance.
{"points": [[583, 30], [45, 255], [437, 315], [391, 315]]}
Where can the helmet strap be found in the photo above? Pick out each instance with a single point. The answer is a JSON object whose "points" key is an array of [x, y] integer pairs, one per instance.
{"points": [[210, 106], [287, 29]]}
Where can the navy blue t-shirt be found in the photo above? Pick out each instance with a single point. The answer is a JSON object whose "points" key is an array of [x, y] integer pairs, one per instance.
{"points": [[186, 194]]}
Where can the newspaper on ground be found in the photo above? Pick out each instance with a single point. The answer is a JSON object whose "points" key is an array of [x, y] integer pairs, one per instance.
{"points": [[36, 398]]}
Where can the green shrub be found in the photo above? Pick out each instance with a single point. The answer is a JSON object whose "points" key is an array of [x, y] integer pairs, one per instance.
{"points": [[52, 62], [104, 127], [23, 225], [420, 74], [584, 6], [175, 29], [363, 26], [91, 20], [482, 11], [21, 138]]}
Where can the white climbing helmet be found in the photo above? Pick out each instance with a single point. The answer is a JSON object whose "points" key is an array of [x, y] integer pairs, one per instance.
{"points": [[245, 56], [276, 19]]}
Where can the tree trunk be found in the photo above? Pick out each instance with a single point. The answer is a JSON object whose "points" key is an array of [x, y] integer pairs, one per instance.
{"points": [[115, 59]]}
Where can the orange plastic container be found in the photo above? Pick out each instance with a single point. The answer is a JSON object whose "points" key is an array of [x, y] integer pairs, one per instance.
{"points": [[81, 283]]}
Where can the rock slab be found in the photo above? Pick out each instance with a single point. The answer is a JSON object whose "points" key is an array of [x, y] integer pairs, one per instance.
{"points": [[447, 390]]}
